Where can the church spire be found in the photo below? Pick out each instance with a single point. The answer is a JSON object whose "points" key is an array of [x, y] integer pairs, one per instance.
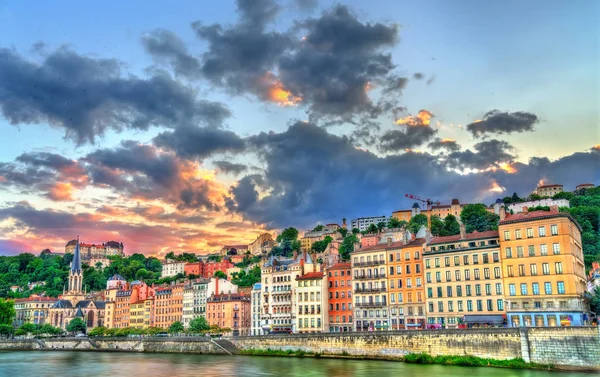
{"points": [[76, 263]]}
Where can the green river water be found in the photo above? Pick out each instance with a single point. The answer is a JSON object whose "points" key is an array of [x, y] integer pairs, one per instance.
{"points": [[98, 364]]}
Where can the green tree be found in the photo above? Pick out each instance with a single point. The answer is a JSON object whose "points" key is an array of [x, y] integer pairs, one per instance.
{"points": [[355, 230], [515, 198], [372, 228], [97, 331], [343, 232], [393, 223], [176, 327], [246, 279], [416, 222], [7, 311], [76, 325], [381, 226], [595, 301], [48, 329], [318, 228], [477, 218], [437, 226], [26, 328], [199, 324], [564, 195], [220, 274], [290, 234], [6, 330], [451, 226], [320, 246], [347, 247]]}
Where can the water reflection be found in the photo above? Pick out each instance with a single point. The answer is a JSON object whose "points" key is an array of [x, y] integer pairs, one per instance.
{"points": [[86, 364]]}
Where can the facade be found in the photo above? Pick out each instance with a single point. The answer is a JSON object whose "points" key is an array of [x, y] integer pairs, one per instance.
{"points": [[194, 300], [262, 244], [339, 293], [168, 305], [255, 306], [233, 250], [231, 311], [170, 269], [543, 266], [363, 223], [311, 299], [582, 187], [278, 283], [116, 282], [441, 210], [211, 267], [196, 268], [463, 277], [311, 237], [141, 314], [548, 202], [370, 289], [549, 190], [89, 251], [33, 309]]}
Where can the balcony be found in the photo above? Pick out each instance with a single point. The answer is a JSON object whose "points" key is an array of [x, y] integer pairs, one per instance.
{"points": [[369, 290], [370, 304], [369, 277], [369, 263]]}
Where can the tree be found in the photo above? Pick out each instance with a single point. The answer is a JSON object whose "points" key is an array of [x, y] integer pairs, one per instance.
{"points": [[176, 328], [343, 231], [48, 329], [381, 226], [76, 325], [515, 198], [320, 246], [347, 247], [416, 222], [318, 228], [199, 324], [290, 234], [246, 279], [437, 226], [7, 311], [372, 228], [595, 301], [477, 218], [393, 222], [97, 331], [451, 226], [564, 195], [6, 330], [355, 230], [26, 328], [220, 274]]}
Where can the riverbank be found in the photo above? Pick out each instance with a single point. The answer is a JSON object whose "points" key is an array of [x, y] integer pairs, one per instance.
{"points": [[565, 348]]}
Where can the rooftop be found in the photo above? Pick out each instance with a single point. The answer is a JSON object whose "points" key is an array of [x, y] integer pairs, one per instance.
{"points": [[310, 276], [469, 236], [340, 266], [393, 245], [537, 215], [36, 299], [544, 186]]}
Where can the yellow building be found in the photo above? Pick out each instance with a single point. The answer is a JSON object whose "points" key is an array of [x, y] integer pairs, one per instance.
{"points": [[543, 267], [140, 314], [463, 277], [311, 299], [441, 210]]}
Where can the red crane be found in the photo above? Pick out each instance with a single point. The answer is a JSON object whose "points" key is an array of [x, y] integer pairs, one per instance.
{"points": [[428, 203]]}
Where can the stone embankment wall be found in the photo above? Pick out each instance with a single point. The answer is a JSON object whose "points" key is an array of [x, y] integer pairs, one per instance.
{"points": [[568, 347]]}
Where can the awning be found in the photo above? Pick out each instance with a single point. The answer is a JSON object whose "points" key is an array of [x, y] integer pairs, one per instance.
{"points": [[497, 319]]}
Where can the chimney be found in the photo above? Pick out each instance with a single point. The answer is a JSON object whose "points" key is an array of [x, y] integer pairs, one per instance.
{"points": [[503, 212], [389, 241], [463, 231]]}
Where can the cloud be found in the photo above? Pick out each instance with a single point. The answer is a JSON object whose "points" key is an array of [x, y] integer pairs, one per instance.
{"points": [[487, 154], [200, 142], [448, 144], [410, 137], [230, 167], [164, 45], [497, 122], [86, 96], [306, 5]]}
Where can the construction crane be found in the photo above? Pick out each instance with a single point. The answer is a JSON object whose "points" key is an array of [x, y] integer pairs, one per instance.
{"points": [[428, 203]]}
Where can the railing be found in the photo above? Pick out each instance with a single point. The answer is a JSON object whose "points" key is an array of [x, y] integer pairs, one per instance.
{"points": [[369, 290], [369, 263], [370, 304], [366, 277]]}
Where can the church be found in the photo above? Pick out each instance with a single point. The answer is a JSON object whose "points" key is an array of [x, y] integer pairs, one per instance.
{"points": [[73, 303]]}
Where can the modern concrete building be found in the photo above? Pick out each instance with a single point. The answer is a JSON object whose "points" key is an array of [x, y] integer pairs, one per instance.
{"points": [[363, 223], [170, 269]]}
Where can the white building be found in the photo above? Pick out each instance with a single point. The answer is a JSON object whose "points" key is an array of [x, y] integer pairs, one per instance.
{"points": [[172, 269], [362, 223], [194, 300], [256, 325], [311, 303], [518, 207]]}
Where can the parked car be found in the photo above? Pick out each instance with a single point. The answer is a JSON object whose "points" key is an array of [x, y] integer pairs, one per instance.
{"points": [[80, 335]]}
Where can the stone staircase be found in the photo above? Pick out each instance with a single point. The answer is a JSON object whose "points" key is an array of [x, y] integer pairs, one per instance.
{"points": [[226, 346]]}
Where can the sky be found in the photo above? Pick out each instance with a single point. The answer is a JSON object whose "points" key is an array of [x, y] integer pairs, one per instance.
{"points": [[184, 126]]}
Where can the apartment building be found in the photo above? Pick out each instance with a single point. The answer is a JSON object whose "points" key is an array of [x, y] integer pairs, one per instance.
{"points": [[543, 266], [255, 307], [463, 277], [171, 269], [194, 300], [339, 290], [370, 289], [363, 223], [141, 314], [311, 303], [168, 305], [229, 311], [33, 309]]}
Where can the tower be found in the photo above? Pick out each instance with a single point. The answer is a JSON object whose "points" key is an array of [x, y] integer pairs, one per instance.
{"points": [[76, 273]]}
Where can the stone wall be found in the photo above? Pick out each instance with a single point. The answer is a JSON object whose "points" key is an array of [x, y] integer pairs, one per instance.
{"points": [[490, 343], [565, 346]]}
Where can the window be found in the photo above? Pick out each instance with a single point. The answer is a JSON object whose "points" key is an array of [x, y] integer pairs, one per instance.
{"points": [[399, 283], [459, 291], [409, 283], [535, 288], [449, 291], [558, 267], [506, 235], [456, 260], [418, 282], [476, 272], [488, 289], [450, 306], [529, 232], [391, 270], [523, 289], [533, 269], [542, 231], [521, 270], [447, 261], [399, 270], [554, 230], [518, 234], [497, 272], [544, 250], [560, 287], [429, 292], [508, 252], [475, 259], [431, 307], [485, 258], [437, 262], [428, 277], [498, 288], [457, 275], [448, 276], [478, 289], [496, 257], [556, 248], [468, 290], [500, 304], [408, 268], [546, 268], [509, 271], [531, 250], [438, 277], [548, 288], [486, 273], [439, 292], [469, 305], [490, 305], [512, 290], [427, 263], [440, 306], [519, 251], [417, 268], [460, 306], [417, 255], [391, 257]]}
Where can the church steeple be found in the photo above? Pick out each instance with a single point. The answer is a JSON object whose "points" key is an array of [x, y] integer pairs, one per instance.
{"points": [[76, 273]]}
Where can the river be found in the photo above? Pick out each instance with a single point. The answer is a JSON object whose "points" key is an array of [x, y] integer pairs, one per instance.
{"points": [[98, 364]]}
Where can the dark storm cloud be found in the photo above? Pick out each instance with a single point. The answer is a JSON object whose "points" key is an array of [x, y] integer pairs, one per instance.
{"points": [[411, 137], [165, 45], [244, 194], [45, 159], [199, 142], [339, 59], [487, 154], [28, 177], [497, 122], [230, 167], [306, 5], [86, 96], [449, 144], [257, 12]]}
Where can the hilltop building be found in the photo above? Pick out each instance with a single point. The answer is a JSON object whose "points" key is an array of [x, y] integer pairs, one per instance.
{"points": [[363, 223], [548, 190], [90, 251]]}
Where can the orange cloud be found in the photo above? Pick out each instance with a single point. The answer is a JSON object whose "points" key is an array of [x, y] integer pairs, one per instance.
{"points": [[423, 118], [61, 191], [277, 93], [495, 187]]}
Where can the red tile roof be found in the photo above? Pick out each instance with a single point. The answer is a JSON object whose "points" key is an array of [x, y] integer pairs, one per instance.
{"points": [[537, 215], [394, 245], [310, 275], [34, 299], [544, 186], [340, 266], [470, 236]]}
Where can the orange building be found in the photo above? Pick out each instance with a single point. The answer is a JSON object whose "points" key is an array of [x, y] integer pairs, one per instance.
{"points": [[369, 240], [168, 305], [118, 303], [339, 286], [543, 267], [211, 267], [230, 310], [406, 284], [196, 268]]}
